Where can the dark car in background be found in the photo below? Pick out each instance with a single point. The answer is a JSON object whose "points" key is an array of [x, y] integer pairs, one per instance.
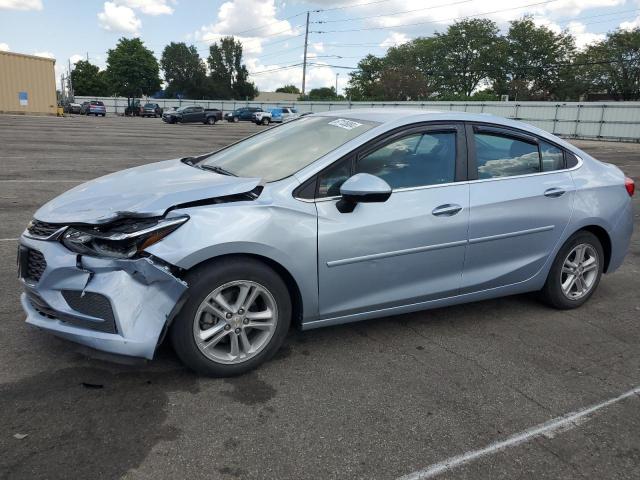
{"points": [[244, 113], [193, 114], [71, 107], [94, 107], [151, 110]]}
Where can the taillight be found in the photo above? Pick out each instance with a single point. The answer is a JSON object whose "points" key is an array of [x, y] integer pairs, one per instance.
{"points": [[630, 185]]}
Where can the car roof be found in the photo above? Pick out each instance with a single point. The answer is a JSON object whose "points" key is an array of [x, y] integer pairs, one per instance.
{"points": [[398, 117]]}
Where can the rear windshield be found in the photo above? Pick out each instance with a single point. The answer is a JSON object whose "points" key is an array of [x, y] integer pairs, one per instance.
{"points": [[280, 152], [100, 104], [150, 105]]}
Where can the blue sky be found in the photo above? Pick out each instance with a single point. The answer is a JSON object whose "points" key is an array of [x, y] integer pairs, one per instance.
{"points": [[272, 30]]}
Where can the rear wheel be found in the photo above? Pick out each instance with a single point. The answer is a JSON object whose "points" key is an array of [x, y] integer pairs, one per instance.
{"points": [[211, 121], [237, 316], [575, 273]]}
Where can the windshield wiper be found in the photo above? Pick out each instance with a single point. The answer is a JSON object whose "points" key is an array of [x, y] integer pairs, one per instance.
{"points": [[216, 169]]}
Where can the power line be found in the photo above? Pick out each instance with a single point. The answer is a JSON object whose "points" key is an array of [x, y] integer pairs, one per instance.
{"points": [[395, 13], [350, 6], [393, 27]]}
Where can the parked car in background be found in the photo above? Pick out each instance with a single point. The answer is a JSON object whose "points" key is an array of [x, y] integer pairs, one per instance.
{"points": [[193, 114], [242, 114], [151, 110], [94, 107], [71, 107], [277, 115], [336, 217]]}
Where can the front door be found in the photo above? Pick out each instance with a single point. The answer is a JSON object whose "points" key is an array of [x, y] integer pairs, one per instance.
{"points": [[520, 205], [408, 249]]}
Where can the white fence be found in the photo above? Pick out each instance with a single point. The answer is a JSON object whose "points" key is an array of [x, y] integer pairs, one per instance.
{"points": [[596, 120]]}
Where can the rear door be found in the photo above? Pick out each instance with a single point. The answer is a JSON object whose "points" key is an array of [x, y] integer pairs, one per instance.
{"points": [[521, 199], [408, 249]]}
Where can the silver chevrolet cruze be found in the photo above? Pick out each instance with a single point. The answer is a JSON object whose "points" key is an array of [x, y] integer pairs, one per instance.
{"points": [[331, 218]]}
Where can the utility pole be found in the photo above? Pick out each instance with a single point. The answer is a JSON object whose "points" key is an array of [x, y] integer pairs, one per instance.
{"points": [[337, 75], [304, 64], [71, 95]]}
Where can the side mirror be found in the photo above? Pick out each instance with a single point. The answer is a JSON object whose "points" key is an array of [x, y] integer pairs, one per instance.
{"points": [[362, 188]]}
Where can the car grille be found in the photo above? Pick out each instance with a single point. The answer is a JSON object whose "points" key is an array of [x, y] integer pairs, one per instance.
{"points": [[91, 304], [35, 265], [42, 229]]}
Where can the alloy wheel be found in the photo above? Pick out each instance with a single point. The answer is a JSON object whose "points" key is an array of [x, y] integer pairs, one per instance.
{"points": [[579, 271], [235, 322]]}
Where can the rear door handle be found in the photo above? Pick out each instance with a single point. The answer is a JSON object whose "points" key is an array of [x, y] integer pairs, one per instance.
{"points": [[554, 192], [446, 210]]}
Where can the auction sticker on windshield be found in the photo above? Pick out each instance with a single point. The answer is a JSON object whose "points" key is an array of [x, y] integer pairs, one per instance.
{"points": [[344, 123]]}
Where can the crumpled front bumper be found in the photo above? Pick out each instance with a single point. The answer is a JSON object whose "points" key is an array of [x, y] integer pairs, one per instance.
{"points": [[142, 295]]}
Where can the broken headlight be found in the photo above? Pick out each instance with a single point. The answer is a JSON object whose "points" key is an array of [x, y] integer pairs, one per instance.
{"points": [[121, 239]]}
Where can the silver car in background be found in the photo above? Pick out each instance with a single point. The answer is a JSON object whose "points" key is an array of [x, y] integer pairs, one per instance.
{"points": [[331, 218]]}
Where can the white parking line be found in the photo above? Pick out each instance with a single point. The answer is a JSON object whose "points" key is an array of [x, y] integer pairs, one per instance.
{"points": [[9, 239], [559, 424]]}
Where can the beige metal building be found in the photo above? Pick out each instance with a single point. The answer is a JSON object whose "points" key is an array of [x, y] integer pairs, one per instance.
{"points": [[27, 84]]}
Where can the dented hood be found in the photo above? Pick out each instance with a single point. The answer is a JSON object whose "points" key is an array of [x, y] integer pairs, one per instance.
{"points": [[146, 191]]}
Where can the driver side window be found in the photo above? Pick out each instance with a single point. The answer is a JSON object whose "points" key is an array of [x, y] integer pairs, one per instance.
{"points": [[416, 160]]}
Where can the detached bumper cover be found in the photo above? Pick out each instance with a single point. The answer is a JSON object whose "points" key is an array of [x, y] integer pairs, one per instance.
{"points": [[143, 296]]}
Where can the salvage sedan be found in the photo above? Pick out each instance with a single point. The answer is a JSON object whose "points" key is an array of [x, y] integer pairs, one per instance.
{"points": [[331, 218]]}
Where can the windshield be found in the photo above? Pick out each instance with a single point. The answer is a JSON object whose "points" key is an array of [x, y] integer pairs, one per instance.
{"points": [[181, 109], [280, 152], [150, 105]]}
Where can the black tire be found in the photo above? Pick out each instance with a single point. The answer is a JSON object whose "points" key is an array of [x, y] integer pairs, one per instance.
{"points": [[552, 292], [104, 114], [236, 119], [211, 121], [265, 121], [205, 279]]}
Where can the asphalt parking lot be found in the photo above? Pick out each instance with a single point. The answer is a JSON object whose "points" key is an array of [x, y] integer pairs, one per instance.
{"points": [[372, 400]]}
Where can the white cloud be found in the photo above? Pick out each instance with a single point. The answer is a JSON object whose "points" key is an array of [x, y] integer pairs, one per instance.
{"points": [[396, 38], [4, 47], [20, 4], [318, 47], [117, 18], [76, 58], [583, 38], [44, 54], [632, 25], [250, 21], [148, 7]]}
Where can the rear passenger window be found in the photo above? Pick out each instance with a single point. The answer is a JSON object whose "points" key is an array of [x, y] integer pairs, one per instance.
{"points": [[502, 156], [552, 157]]}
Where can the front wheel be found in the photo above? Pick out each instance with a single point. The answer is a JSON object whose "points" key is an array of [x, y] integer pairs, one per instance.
{"points": [[265, 121], [236, 119], [575, 273], [211, 121], [236, 317]]}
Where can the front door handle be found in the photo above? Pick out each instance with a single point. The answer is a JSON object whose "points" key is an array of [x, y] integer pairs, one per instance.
{"points": [[446, 210], [554, 192]]}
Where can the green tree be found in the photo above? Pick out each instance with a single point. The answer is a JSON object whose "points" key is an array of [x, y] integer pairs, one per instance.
{"points": [[229, 78], [184, 71], [87, 79], [535, 62], [364, 83], [612, 66], [132, 70], [321, 94], [288, 89], [465, 55]]}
